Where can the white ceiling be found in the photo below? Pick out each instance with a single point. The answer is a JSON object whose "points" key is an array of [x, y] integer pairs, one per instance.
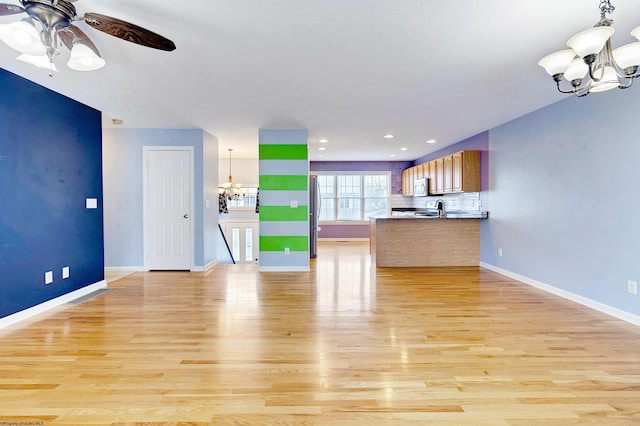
{"points": [[349, 71]]}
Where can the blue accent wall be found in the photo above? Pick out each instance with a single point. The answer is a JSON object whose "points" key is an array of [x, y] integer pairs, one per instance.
{"points": [[50, 163]]}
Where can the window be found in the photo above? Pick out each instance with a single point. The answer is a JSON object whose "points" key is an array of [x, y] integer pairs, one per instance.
{"points": [[354, 196], [244, 203]]}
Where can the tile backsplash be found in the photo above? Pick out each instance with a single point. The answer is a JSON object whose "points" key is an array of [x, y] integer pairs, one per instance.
{"points": [[469, 201]]}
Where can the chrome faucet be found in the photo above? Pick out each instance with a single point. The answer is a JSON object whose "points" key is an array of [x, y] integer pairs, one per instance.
{"points": [[440, 205]]}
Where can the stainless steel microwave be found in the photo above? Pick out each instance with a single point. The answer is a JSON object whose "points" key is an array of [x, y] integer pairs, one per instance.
{"points": [[420, 187]]}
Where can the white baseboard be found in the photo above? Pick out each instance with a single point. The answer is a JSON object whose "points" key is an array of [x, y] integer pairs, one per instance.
{"points": [[284, 269], [204, 268], [124, 268], [50, 304], [601, 307]]}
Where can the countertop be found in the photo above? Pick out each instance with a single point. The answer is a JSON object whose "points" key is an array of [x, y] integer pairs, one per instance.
{"points": [[453, 214]]}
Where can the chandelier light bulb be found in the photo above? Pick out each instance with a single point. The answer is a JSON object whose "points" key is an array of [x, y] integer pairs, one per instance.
{"points": [[557, 62], [577, 70], [608, 80], [628, 55], [591, 41]]}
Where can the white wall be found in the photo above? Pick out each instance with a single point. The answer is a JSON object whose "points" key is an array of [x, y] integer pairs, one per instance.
{"points": [[243, 170]]}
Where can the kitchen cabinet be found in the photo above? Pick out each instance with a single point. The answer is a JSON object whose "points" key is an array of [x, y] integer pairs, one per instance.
{"points": [[455, 173], [439, 165], [431, 165], [465, 171], [408, 176], [447, 174]]}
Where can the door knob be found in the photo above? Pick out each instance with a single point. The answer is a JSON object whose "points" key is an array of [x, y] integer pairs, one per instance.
{"points": [[186, 216]]}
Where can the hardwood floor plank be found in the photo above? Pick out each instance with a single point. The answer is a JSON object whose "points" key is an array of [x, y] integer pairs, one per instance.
{"points": [[344, 344]]}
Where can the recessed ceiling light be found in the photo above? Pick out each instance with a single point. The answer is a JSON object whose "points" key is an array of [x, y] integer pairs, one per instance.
{"points": [[392, 155], [323, 140], [403, 149], [430, 141], [322, 148], [388, 136]]}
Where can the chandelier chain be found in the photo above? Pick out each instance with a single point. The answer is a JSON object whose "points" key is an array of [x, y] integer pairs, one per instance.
{"points": [[606, 8]]}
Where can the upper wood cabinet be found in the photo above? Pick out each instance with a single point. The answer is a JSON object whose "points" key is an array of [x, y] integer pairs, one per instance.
{"points": [[448, 174], [432, 166], [458, 172], [439, 166], [408, 176], [465, 173]]}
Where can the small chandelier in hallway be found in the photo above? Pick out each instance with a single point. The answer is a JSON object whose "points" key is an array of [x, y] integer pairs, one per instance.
{"points": [[591, 65], [232, 191]]}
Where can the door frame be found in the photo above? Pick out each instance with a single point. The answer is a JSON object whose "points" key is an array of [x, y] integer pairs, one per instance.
{"points": [[145, 237]]}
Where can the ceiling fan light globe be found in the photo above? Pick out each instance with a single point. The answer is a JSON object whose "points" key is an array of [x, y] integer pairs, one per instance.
{"points": [[636, 32], [591, 41], [84, 59], [41, 61], [23, 37]]}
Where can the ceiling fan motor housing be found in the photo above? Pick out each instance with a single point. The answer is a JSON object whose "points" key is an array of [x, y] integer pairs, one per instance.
{"points": [[51, 13]]}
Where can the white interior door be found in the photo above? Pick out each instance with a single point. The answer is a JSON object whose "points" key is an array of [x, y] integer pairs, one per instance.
{"points": [[242, 238], [168, 221]]}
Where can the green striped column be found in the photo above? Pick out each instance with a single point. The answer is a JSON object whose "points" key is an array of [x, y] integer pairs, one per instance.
{"points": [[284, 200]]}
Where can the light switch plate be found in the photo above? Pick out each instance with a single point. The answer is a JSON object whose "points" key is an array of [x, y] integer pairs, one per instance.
{"points": [[48, 277], [65, 272], [92, 203]]}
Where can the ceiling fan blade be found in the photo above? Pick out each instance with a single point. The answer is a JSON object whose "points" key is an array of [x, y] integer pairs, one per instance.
{"points": [[10, 9], [68, 34], [129, 32]]}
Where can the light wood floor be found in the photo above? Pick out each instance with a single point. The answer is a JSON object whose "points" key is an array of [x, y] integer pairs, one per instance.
{"points": [[343, 345]]}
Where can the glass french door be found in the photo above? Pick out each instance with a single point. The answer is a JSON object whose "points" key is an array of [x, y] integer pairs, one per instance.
{"points": [[242, 238]]}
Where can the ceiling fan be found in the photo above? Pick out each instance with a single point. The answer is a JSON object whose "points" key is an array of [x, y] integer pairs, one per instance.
{"points": [[56, 20]]}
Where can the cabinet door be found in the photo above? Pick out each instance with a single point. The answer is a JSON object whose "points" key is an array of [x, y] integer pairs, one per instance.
{"points": [[448, 173], [439, 175], [457, 172], [407, 186]]}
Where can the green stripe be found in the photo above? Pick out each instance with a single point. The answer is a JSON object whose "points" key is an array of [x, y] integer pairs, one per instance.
{"points": [[279, 243], [283, 152], [283, 214], [284, 183]]}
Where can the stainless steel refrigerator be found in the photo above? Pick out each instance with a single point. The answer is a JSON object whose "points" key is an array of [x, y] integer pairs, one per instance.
{"points": [[314, 215]]}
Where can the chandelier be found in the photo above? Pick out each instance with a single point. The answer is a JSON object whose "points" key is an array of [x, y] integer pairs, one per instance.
{"points": [[230, 190], [590, 65]]}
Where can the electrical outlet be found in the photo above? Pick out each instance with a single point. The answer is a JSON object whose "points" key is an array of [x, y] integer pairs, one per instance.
{"points": [[48, 277], [294, 204], [632, 287], [286, 251], [500, 252]]}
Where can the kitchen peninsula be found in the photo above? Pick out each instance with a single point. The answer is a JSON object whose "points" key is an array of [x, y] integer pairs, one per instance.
{"points": [[404, 241]]}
